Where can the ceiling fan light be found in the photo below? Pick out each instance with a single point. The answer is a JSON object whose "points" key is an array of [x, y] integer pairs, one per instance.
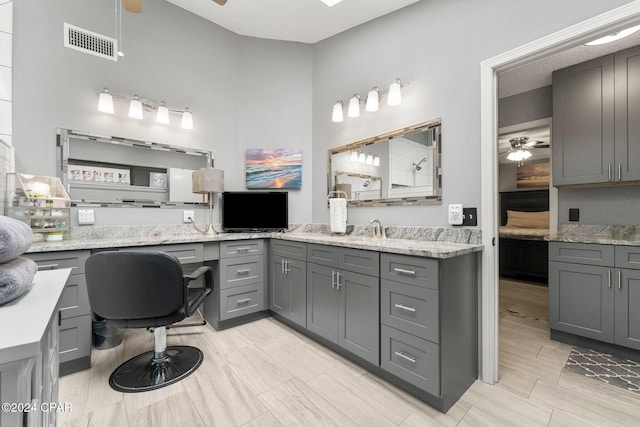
{"points": [[373, 98], [187, 119], [354, 106], [526, 154], [105, 102], [613, 37], [337, 115], [162, 115], [395, 93], [135, 108]]}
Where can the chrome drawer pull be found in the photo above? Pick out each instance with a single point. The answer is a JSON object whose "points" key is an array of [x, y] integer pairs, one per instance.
{"points": [[404, 307], [333, 279], [243, 249], [243, 301], [338, 284], [609, 277], [405, 357], [403, 271], [180, 258], [244, 271], [609, 172], [47, 267], [619, 279], [282, 266]]}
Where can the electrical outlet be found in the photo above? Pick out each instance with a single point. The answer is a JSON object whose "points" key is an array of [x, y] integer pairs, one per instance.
{"points": [[469, 216], [86, 216], [574, 214], [188, 217], [455, 214]]}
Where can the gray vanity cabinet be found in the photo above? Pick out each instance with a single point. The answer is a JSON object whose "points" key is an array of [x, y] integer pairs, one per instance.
{"points": [[594, 292], [342, 304], [288, 284], [627, 111]]}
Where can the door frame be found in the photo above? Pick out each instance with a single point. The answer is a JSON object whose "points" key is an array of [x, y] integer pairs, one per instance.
{"points": [[574, 35]]}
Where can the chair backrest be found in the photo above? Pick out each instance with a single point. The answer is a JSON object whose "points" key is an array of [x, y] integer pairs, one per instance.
{"points": [[130, 285]]}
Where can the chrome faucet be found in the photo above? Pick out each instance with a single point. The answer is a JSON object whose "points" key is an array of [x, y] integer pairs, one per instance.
{"points": [[379, 230]]}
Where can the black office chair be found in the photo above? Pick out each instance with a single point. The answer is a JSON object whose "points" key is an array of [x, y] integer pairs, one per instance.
{"points": [[146, 290]]}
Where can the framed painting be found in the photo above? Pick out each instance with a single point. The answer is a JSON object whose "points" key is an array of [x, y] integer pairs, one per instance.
{"points": [[533, 175], [273, 168]]}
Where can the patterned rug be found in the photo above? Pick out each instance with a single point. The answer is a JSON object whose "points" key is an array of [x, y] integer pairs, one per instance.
{"points": [[605, 367]]}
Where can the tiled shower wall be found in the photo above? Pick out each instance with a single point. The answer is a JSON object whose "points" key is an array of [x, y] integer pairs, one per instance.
{"points": [[6, 130]]}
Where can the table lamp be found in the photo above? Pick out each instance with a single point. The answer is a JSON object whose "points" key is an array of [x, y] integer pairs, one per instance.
{"points": [[208, 181]]}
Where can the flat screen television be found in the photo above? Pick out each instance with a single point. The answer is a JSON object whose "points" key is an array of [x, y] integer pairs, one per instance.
{"points": [[255, 211]]}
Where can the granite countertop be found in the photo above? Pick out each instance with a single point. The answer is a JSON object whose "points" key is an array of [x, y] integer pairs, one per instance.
{"points": [[417, 247], [623, 235]]}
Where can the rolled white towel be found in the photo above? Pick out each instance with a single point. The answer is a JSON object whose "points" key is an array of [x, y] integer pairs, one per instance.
{"points": [[338, 215], [15, 238], [16, 277]]}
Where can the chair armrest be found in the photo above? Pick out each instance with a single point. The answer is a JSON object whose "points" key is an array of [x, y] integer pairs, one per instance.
{"points": [[191, 305]]}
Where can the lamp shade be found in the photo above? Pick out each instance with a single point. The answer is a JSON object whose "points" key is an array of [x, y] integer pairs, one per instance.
{"points": [[163, 114], [373, 98], [395, 93], [337, 115], [354, 106], [207, 180], [135, 108], [105, 102], [187, 119]]}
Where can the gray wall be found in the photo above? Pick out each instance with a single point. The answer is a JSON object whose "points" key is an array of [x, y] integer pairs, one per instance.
{"points": [[244, 92], [525, 107], [605, 205], [437, 46]]}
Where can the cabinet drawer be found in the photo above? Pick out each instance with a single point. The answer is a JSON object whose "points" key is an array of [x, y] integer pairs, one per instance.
{"points": [[241, 271], [415, 360], [186, 254], [411, 309], [75, 338], [411, 270], [359, 261], [628, 257], [289, 249], [322, 254], [241, 300], [241, 248], [67, 259], [211, 251], [581, 253], [75, 300]]}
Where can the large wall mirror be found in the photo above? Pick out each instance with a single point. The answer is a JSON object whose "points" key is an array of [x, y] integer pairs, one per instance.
{"points": [[397, 168]]}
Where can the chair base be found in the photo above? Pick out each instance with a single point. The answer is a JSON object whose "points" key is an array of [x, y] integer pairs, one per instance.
{"points": [[144, 372]]}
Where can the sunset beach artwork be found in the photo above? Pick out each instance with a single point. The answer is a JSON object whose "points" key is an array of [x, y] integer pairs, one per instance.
{"points": [[273, 168]]}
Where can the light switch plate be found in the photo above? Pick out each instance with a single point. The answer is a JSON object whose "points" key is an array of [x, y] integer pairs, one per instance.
{"points": [[455, 214], [86, 216]]}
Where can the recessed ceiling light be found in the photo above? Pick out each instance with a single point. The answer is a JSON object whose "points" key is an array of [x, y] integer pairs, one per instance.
{"points": [[330, 2], [613, 37]]}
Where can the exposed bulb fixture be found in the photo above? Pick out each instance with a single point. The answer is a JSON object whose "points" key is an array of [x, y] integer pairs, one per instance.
{"points": [[354, 106], [395, 93], [162, 116], [376, 160], [613, 37], [337, 115], [354, 156], [187, 119], [373, 98], [135, 108], [369, 160], [362, 158], [105, 102]]}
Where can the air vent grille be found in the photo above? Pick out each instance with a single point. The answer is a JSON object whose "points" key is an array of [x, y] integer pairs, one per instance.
{"points": [[89, 42]]}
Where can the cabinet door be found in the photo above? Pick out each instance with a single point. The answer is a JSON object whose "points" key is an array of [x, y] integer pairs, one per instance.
{"points": [[581, 300], [583, 124], [297, 275], [627, 290], [359, 315], [322, 301], [627, 66], [280, 287]]}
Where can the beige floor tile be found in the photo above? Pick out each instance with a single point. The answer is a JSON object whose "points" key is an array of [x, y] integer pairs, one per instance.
{"points": [[294, 403], [562, 419], [109, 416], [478, 418], [264, 420], [137, 401], [301, 359], [259, 371], [226, 341], [262, 332], [173, 411]]}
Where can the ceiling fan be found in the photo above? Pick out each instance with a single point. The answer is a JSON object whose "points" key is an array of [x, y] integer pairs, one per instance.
{"points": [[135, 6], [521, 148]]}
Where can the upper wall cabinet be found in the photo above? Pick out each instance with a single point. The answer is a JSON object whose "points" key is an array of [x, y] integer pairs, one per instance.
{"points": [[595, 138], [118, 170]]}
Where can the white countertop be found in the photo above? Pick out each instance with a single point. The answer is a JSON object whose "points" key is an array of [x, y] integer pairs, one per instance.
{"points": [[25, 319]]}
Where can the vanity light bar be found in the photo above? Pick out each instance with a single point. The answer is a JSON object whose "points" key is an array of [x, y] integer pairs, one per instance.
{"points": [[138, 104], [372, 101]]}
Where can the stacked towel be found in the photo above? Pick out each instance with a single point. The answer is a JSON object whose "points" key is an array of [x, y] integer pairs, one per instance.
{"points": [[16, 272], [338, 215]]}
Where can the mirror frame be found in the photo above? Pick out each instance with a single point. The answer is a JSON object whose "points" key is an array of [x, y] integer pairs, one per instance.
{"points": [[395, 201]]}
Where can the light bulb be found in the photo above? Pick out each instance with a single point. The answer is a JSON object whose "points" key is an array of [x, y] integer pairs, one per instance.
{"points": [[395, 93], [354, 106], [163, 114], [135, 108], [354, 156], [373, 98], [187, 119], [105, 102], [369, 160], [337, 116], [362, 158], [376, 160]]}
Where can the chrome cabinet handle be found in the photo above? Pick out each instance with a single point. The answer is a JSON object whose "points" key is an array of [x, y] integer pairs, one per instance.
{"points": [[404, 307], [405, 357], [286, 266], [609, 170], [619, 171], [609, 277], [243, 301], [244, 271], [48, 267], [282, 266], [333, 279], [403, 271], [180, 258], [242, 249], [338, 284], [619, 279]]}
